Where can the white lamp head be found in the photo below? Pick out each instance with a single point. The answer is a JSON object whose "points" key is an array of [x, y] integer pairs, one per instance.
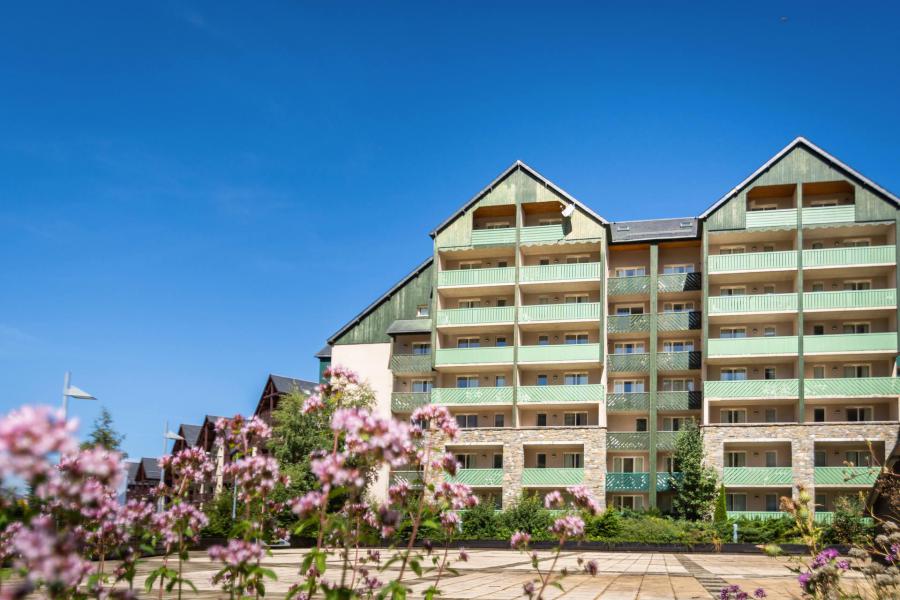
{"points": [[76, 392], [568, 210], [173, 436]]}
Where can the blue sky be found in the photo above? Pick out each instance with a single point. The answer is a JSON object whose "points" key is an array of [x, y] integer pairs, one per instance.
{"points": [[194, 195]]}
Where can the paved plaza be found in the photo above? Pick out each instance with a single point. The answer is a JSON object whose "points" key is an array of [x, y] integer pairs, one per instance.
{"points": [[500, 574]]}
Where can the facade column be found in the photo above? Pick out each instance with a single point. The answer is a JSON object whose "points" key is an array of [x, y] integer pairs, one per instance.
{"points": [[801, 363], [654, 379]]}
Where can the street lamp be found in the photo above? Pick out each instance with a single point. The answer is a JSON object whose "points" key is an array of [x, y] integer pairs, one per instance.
{"points": [[70, 391], [167, 435]]}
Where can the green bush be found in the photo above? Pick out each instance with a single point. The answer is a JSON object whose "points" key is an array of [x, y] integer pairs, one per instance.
{"points": [[605, 526], [721, 514], [763, 531], [847, 526], [528, 515], [481, 522]]}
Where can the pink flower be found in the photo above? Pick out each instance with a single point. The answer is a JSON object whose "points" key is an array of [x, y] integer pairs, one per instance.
{"points": [[519, 540], [591, 567], [450, 521], [180, 521], [463, 555], [237, 553], [584, 499], [398, 492], [28, 436], [436, 417], [313, 404], [458, 495], [553, 500], [49, 557], [569, 526], [308, 504]]}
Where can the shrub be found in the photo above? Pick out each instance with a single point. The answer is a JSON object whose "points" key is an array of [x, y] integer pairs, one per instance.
{"points": [[528, 515], [721, 514], [481, 522], [605, 526], [847, 526], [765, 531]]}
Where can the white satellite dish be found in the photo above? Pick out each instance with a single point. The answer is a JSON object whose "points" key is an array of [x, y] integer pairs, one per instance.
{"points": [[568, 210]]}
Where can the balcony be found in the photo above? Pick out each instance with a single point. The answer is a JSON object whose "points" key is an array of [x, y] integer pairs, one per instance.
{"points": [[821, 215], [562, 272], [494, 237], [679, 321], [757, 476], [555, 394], [410, 364], [552, 477], [478, 477], [477, 396], [850, 300], [628, 286], [753, 346], [757, 303], [665, 440], [560, 353], [786, 217], [785, 260], [664, 480], [844, 343], [627, 440], [846, 476], [537, 313], [477, 277], [674, 283], [627, 482], [542, 233], [473, 356], [405, 402], [476, 316], [850, 257], [851, 387], [627, 402], [679, 401], [756, 515], [752, 389], [678, 361], [822, 516], [414, 478], [628, 323], [629, 363]]}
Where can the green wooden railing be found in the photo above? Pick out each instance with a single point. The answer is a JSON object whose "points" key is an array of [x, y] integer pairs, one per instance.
{"points": [[627, 482], [627, 323], [756, 515], [785, 217], [414, 478], [472, 396], [664, 480], [585, 311], [847, 476], [539, 394], [478, 477], [560, 353], [476, 316], [410, 363], [756, 303], [404, 402], [753, 346], [678, 401], [551, 477], [628, 286], [826, 517], [850, 342], [627, 440], [678, 361], [756, 388], [471, 356], [757, 476], [629, 363], [829, 214], [679, 321], [850, 299], [491, 276], [628, 402], [850, 387], [665, 440], [851, 256], [561, 272], [753, 261], [679, 282], [494, 237], [542, 233]]}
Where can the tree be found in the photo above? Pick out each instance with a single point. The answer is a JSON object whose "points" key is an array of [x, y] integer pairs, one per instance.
{"points": [[695, 490], [721, 514], [104, 434]]}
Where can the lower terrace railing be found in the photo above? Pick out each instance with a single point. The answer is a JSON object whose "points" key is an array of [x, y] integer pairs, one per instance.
{"points": [[403, 402], [665, 440], [757, 476], [478, 477], [664, 480], [846, 476], [627, 482], [551, 477]]}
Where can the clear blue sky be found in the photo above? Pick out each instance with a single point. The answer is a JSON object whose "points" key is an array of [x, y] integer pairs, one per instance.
{"points": [[195, 195]]}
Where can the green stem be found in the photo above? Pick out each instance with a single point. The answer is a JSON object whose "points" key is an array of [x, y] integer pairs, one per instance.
{"points": [[546, 580]]}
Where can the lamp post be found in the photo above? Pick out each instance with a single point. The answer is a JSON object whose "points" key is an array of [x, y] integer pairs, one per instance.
{"points": [[167, 435], [70, 391]]}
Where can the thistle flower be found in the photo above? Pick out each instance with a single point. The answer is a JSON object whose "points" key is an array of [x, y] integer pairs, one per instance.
{"points": [[553, 500], [519, 540], [567, 527]]}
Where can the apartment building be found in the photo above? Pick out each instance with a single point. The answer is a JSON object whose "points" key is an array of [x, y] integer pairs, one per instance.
{"points": [[572, 349]]}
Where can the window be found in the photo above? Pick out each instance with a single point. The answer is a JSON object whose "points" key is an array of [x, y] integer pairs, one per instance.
{"points": [[817, 246], [629, 309], [820, 458], [769, 288], [818, 286], [818, 415], [577, 419], [544, 261], [467, 381], [576, 298], [733, 374], [501, 301], [678, 346], [733, 290], [502, 264], [468, 342], [815, 203], [467, 421], [678, 307], [853, 371], [858, 458], [500, 380], [543, 300], [818, 329], [628, 502], [736, 502], [498, 461], [469, 265], [734, 415], [675, 423], [672, 465], [678, 385], [496, 225], [771, 502], [771, 459], [628, 464], [857, 243], [501, 342], [573, 460], [469, 303], [542, 419], [735, 459], [541, 379], [858, 285], [684, 268], [640, 424], [769, 373], [628, 386], [628, 348], [631, 271], [421, 348], [769, 331], [859, 413], [576, 338], [818, 372], [856, 328], [498, 420], [771, 415], [578, 258], [421, 386], [732, 332], [576, 378], [550, 221], [543, 340], [821, 501], [541, 460], [763, 206], [466, 461], [732, 250], [768, 248], [422, 310]]}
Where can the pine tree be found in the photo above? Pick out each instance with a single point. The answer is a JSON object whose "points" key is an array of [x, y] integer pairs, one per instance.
{"points": [[104, 434], [721, 515], [695, 490]]}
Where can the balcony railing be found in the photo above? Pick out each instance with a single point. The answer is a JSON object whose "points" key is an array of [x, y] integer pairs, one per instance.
{"points": [[404, 402], [757, 476], [551, 477], [665, 440], [472, 396], [494, 237], [561, 272], [756, 515], [664, 480], [476, 316], [410, 363], [829, 214], [757, 303], [478, 477], [542, 233], [539, 394], [822, 516], [679, 282], [851, 387], [491, 276], [753, 261], [786, 217], [628, 286], [678, 361], [628, 402], [753, 346], [585, 311], [850, 256], [850, 342], [850, 299], [627, 440], [471, 356], [560, 353], [627, 482], [414, 478], [629, 363], [627, 323], [678, 401], [847, 476], [752, 389], [679, 321]]}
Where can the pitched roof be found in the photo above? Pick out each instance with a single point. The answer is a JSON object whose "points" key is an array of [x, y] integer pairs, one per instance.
{"points": [[151, 469], [654, 229], [409, 326], [516, 165], [190, 433], [325, 352], [797, 142], [131, 469], [286, 385]]}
